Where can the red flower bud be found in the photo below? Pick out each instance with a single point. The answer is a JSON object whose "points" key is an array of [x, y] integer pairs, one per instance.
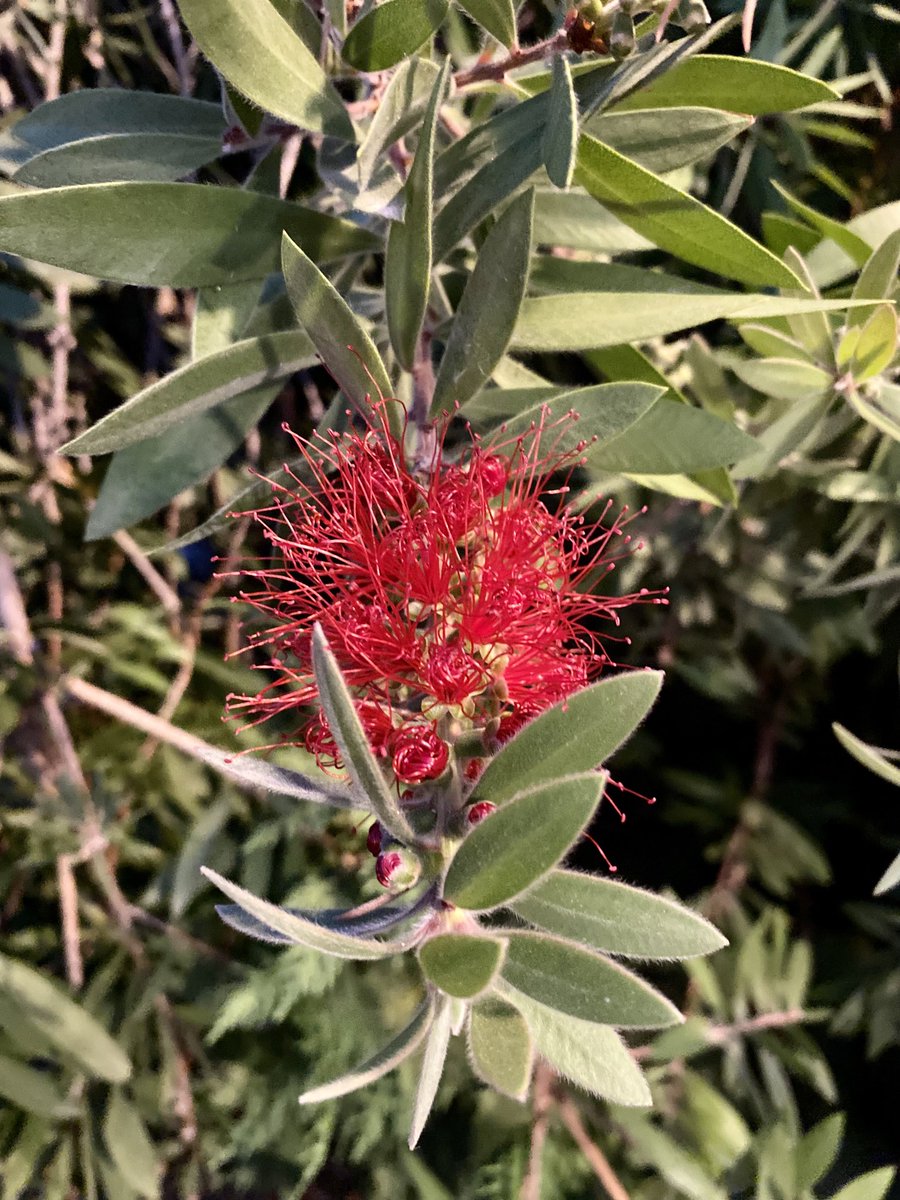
{"points": [[397, 869], [419, 754], [374, 839], [477, 812]]}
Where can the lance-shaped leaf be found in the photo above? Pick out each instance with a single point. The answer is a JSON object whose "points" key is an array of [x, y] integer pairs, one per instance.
{"points": [[58, 1020], [589, 986], [98, 135], [260, 54], [575, 735], [560, 136], [870, 756], [196, 388], [867, 350], [489, 308], [461, 964], [168, 234], [851, 243], [510, 850], [500, 1046], [675, 221], [258, 773], [672, 439], [298, 929], [880, 406], [818, 1149], [327, 918], [130, 1147], [346, 349], [347, 730], [878, 278], [407, 268], [592, 1056], [433, 1060], [663, 139], [616, 918], [498, 17], [392, 1055], [391, 31]]}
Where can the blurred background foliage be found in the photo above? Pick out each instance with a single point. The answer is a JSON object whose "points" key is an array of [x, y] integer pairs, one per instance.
{"points": [[161, 1055]]}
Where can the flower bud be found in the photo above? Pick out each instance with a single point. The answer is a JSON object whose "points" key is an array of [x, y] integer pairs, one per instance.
{"points": [[692, 16], [374, 839], [397, 869], [621, 36], [476, 813]]}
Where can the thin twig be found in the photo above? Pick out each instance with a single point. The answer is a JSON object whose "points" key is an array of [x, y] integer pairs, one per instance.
{"points": [[163, 591], [542, 1100], [595, 1157], [176, 41], [519, 57], [719, 1034]]}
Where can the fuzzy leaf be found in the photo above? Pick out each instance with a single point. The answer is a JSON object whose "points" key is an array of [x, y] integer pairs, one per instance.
{"points": [[407, 268], [299, 929], [784, 378], [392, 1055], [512, 848], [260, 54], [33, 1091], [498, 17], [818, 1149], [878, 278], [259, 773], [129, 1146], [392, 31], [673, 439], [346, 728], [461, 964], [590, 1055], [663, 139], [326, 918], [168, 234], [576, 734], [432, 1068], [333, 327], [487, 313], [617, 918], [560, 136], [500, 1047], [875, 345], [589, 986]]}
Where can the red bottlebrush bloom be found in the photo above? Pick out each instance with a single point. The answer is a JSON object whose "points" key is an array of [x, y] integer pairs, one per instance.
{"points": [[463, 587]]}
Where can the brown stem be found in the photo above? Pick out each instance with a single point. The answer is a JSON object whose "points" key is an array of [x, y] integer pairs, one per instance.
{"points": [[598, 1161], [519, 57], [542, 1100], [163, 591]]}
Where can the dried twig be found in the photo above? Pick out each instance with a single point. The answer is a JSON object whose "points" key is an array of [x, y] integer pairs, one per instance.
{"points": [[597, 1160], [542, 1101], [163, 591], [518, 57]]}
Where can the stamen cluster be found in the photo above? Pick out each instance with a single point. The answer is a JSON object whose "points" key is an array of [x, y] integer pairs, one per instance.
{"points": [[455, 590]]}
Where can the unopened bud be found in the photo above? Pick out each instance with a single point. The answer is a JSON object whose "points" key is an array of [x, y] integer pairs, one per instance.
{"points": [[477, 812], [692, 16], [621, 36], [374, 839], [397, 869]]}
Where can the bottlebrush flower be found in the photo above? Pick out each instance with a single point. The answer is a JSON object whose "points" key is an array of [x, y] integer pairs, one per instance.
{"points": [[453, 590]]}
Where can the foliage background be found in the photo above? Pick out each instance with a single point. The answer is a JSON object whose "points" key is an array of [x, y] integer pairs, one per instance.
{"points": [[762, 817]]}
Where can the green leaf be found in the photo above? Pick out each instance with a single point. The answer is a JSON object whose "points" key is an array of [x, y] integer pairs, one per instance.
{"points": [[577, 734], [500, 1047], [99, 135], [874, 1185], [590, 1055], [62, 1022], [498, 17], [260, 54], [889, 879], [334, 919], [811, 329], [334, 329], [400, 108], [407, 268], [672, 439], [878, 278], [714, 1125], [432, 1068], [677, 1167], [770, 343], [818, 1150], [576, 220], [461, 964], [129, 1146], [168, 234], [741, 85], [875, 346], [203, 836], [576, 981], [391, 31], [34, 1091], [253, 772], [392, 1055], [487, 313], [870, 756], [300, 930], [784, 378], [663, 139], [617, 918], [603, 411], [196, 388], [675, 221], [783, 437], [851, 243], [560, 136], [879, 405], [512, 848], [360, 763]]}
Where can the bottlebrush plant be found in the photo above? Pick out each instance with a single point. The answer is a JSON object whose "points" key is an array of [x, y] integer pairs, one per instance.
{"points": [[435, 606]]}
